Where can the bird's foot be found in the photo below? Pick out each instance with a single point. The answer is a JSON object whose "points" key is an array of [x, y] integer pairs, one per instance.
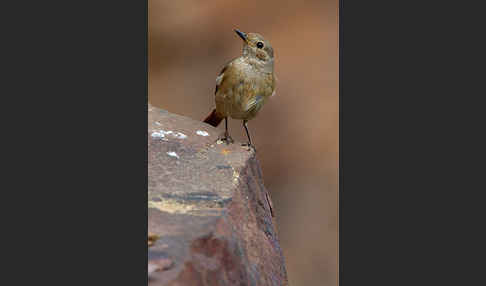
{"points": [[228, 139], [250, 146]]}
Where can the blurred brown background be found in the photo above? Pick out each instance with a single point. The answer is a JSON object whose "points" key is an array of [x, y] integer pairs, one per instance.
{"points": [[296, 133]]}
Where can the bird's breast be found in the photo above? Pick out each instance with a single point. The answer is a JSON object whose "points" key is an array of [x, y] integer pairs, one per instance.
{"points": [[243, 90]]}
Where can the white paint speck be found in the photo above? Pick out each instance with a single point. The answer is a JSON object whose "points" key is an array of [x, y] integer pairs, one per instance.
{"points": [[236, 176], [163, 133], [202, 133], [180, 135], [173, 154], [157, 123], [157, 134]]}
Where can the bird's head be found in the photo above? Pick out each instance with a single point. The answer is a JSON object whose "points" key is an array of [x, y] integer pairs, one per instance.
{"points": [[255, 46]]}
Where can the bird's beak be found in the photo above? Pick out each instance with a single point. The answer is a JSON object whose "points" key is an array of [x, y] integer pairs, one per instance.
{"points": [[242, 35]]}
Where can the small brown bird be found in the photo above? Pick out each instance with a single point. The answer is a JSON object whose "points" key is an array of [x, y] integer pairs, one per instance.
{"points": [[244, 84]]}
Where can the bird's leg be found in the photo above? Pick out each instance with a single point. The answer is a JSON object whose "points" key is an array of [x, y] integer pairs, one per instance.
{"points": [[245, 122], [227, 137]]}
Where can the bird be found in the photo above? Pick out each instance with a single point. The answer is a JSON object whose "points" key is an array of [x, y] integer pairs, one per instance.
{"points": [[244, 85]]}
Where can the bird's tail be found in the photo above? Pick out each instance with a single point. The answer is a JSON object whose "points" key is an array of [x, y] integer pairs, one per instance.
{"points": [[213, 118]]}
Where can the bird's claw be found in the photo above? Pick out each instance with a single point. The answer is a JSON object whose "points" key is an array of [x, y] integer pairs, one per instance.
{"points": [[228, 139], [250, 146]]}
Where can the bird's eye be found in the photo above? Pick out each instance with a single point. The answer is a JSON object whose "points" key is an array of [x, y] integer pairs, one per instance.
{"points": [[259, 45]]}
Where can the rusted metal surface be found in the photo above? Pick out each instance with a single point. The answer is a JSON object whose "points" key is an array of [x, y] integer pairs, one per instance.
{"points": [[208, 207]]}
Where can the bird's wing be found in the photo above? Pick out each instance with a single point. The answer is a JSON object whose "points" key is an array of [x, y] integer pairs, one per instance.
{"points": [[220, 77], [253, 102]]}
